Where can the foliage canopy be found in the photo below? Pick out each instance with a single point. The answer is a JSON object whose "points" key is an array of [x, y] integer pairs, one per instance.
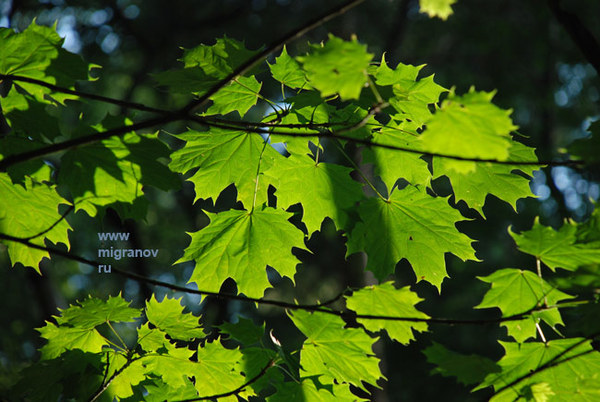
{"points": [[342, 109]]}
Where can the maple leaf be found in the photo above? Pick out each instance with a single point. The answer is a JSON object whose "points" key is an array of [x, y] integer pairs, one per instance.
{"points": [[287, 71], [558, 248], [16, 219], [93, 312], [527, 364], [392, 165], [115, 170], [496, 179], [169, 317], [323, 189], [337, 67], [468, 369], [239, 245], [437, 8], [344, 354], [223, 158], [469, 126], [411, 225], [515, 291], [374, 299], [238, 96]]}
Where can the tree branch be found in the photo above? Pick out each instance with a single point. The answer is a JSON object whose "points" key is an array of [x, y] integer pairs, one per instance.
{"points": [[246, 66], [239, 389], [43, 232], [86, 95], [105, 385], [578, 32], [336, 135], [552, 363], [319, 307], [61, 146]]}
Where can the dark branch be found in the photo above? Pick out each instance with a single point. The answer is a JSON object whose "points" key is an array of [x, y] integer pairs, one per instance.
{"points": [[295, 34], [552, 363], [319, 307], [578, 32], [43, 232], [238, 389], [116, 132], [106, 384], [335, 134], [86, 95]]}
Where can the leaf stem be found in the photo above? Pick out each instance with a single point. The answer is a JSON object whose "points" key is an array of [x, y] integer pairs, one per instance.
{"points": [[358, 170], [118, 336], [266, 143]]}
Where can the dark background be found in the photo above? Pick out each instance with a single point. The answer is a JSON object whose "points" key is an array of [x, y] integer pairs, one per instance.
{"points": [[516, 47]]}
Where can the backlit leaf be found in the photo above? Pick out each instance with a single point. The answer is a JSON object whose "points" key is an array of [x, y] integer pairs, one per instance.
{"points": [[558, 248], [344, 354], [239, 245], [415, 226], [372, 300], [16, 219], [516, 291], [338, 67]]}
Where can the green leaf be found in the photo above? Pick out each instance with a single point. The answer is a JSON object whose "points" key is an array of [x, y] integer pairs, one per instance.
{"points": [[151, 339], [62, 338], [337, 67], [218, 369], [220, 59], [384, 75], [238, 96], [239, 245], [558, 248], [168, 316], [186, 80], [130, 376], [469, 126], [115, 170], [343, 354], [437, 8], [392, 165], [223, 158], [415, 226], [244, 331], [305, 108], [468, 369], [287, 71], [36, 169], [516, 291], [324, 189], [44, 380], [412, 98], [172, 365], [36, 53], [375, 299], [486, 178], [564, 363], [309, 389], [16, 219], [93, 312]]}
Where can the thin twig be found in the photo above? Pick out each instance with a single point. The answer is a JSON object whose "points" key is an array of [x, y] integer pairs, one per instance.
{"points": [[551, 363], [75, 142], [335, 134], [319, 307], [239, 389], [246, 66], [86, 95], [106, 384], [43, 232]]}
